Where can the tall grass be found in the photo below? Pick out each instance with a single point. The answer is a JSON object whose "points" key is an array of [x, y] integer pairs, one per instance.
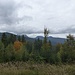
{"points": [[30, 68]]}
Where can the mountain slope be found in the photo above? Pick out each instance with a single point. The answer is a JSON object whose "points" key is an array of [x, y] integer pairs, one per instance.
{"points": [[53, 40]]}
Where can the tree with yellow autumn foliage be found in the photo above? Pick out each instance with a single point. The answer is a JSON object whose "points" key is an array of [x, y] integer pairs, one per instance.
{"points": [[17, 45]]}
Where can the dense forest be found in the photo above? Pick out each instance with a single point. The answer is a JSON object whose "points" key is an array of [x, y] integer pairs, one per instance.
{"points": [[14, 48]]}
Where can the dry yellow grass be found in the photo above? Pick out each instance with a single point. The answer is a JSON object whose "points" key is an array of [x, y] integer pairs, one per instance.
{"points": [[23, 68]]}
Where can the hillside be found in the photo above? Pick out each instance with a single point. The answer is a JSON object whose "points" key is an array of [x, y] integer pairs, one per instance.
{"points": [[54, 40]]}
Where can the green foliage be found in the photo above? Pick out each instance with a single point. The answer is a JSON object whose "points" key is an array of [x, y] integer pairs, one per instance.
{"points": [[18, 54], [45, 52], [10, 52], [69, 50], [37, 46], [38, 51], [45, 35], [59, 53], [4, 39], [23, 38], [12, 38], [1, 51], [29, 47], [19, 38], [25, 54]]}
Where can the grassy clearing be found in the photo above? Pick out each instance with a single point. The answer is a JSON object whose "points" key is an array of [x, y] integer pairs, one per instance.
{"points": [[22, 68]]}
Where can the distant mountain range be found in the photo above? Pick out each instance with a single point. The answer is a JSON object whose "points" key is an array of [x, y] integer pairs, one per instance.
{"points": [[53, 40]]}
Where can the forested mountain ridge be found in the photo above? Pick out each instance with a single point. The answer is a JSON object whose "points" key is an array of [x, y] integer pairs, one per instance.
{"points": [[39, 49], [54, 40]]}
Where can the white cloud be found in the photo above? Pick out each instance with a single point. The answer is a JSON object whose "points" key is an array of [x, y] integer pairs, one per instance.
{"points": [[30, 16]]}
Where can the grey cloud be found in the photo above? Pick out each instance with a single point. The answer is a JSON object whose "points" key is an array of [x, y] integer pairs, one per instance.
{"points": [[8, 13], [30, 16], [20, 29], [26, 18], [7, 9], [70, 29], [22, 4]]}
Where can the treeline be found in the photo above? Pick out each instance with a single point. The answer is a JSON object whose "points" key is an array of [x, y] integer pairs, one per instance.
{"points": [[13, 48]]}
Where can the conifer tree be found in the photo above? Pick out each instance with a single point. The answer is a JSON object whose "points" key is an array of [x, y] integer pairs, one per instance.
{"points": [[23, 38], [4, 39]]}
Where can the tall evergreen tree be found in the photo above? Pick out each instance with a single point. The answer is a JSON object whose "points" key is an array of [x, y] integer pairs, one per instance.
{"points": [[23, 38], [12, 38], [45, 49], [10, 52], [69, 49], [4, 39], [45, 35], [15, 38], [19, 38], [2, 52], [37, 45]]}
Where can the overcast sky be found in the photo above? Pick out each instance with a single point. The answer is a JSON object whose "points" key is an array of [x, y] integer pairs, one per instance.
{"points": [[31, 16]]}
